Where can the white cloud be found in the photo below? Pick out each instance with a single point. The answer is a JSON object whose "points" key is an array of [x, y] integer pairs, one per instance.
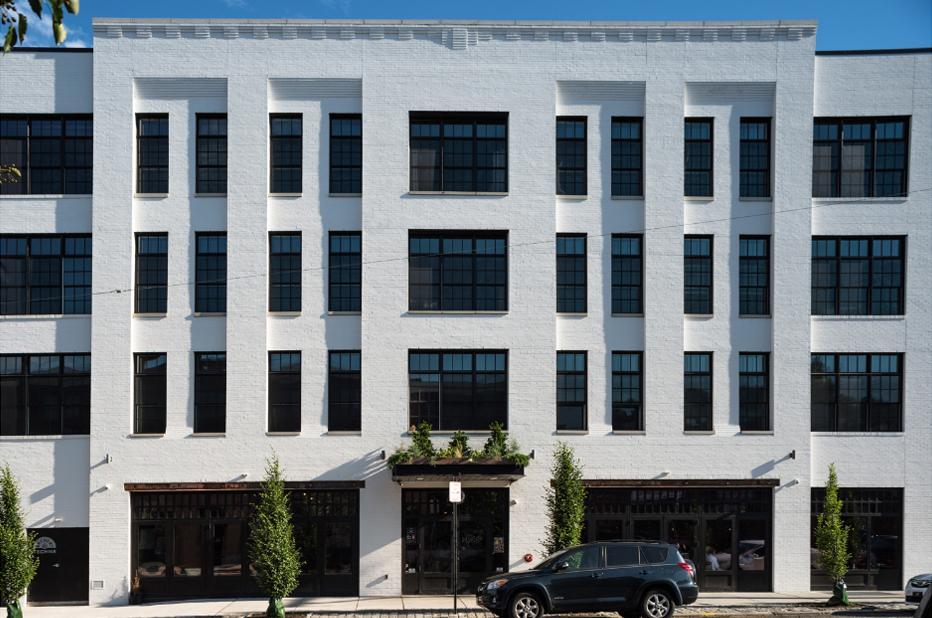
{"points": [[39, 33]]}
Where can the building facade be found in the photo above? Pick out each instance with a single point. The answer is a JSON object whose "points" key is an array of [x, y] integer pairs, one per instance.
{"points": [[699, 253]]}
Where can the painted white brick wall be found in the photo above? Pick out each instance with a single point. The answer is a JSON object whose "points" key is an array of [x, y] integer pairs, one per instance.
{"points": [[520, 77]]}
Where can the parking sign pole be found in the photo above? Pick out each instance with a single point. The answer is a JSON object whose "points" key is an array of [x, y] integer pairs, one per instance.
{"points": [[456, 496]]}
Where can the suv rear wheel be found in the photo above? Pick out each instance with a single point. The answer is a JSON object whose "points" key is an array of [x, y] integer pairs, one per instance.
{"points": [[524, 605], [657, 603]]}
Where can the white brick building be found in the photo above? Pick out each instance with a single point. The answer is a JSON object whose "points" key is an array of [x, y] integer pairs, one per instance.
{"points": [[155, 484]]}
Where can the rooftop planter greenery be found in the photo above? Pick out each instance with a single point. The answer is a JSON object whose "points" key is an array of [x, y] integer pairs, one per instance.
{"points": [[498, 449]]}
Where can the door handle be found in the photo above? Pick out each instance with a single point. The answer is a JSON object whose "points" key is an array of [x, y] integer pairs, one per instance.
{"points": [[596, 575], [56, 564]]}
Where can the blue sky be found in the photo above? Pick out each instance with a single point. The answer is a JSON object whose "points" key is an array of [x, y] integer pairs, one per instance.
{"points": [[843, 24]]}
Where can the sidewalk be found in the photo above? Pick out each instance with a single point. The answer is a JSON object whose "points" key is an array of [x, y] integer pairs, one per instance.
{"points": [[877, 604]]}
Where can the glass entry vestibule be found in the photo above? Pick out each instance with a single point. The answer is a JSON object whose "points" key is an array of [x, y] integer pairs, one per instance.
{"points": [[726, 531], [190, 544], [427, 537]]}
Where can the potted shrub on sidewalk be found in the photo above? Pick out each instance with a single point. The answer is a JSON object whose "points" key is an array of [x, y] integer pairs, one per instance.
{"points": [[18, 560], [566, 498], [832, 540], [272, 546]]}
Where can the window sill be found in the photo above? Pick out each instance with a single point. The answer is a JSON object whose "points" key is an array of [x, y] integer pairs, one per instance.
{"points": [[209, 314], [755, 199], [450, 432], [45, 196], [698, 433], [627, 315], [867, 318], [285, 194], [629, 432], [150, 195], [859, 434], [283, 314], [52, 436], [572, 432], [146, 436], [699, 316], [893, 199], [44, 316], [754, 316], [698, 198], [357, 432], [489, 193], [151, 315], [628, 198], [433, 312], [572, 197], [572, 314], [344, 313], [756, 432], [344, 195], [210, 195], [282, 433], [209, 434]]}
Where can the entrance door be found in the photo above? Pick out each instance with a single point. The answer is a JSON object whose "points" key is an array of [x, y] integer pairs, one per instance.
{"points": [[62, 578]]}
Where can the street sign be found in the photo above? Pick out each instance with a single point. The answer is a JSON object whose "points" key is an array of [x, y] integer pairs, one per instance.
{"points": [[456, 492]]}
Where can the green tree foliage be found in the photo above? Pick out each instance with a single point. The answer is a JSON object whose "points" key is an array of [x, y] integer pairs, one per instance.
{"points": [[272, 547], [566, 499], [18, 560], [17, 24], [832, 540]]}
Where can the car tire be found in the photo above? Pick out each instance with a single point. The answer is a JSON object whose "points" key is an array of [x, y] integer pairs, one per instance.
{"points": [[525, 605], [657, 603]]}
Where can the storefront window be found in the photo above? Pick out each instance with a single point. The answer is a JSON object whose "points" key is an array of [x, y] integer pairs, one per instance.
{"points": [[187, 549], [228, 549], [151, 551]]}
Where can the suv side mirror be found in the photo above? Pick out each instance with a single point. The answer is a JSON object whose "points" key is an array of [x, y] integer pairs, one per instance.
{"points": [[561, 566]]}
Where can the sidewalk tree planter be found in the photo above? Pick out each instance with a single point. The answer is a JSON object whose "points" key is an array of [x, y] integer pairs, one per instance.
{"points": [[832, 540], [18, 560], [498, 450], [566, 501], [271, 539]]}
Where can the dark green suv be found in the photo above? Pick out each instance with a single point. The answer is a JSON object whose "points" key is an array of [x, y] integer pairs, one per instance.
{"points": [[634, 578]]}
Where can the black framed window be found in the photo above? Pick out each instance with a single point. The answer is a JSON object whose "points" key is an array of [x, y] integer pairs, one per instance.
{"points": [[345, 272], [458, 389], [211, 273], [860, 157], [698, 157], [697, 391], [345, 153], [627, 391], [151, 273], [754, 155], [45, 394], [211, 171], [697, 274], [754, 276], [754, 391], [149, 393], [571, 155], [571, 273], [627, 274], [285, 156], [45, 274], [465, 152], [152, 153], [344, 391], [858, 275], [53, 153], [285, 271], [857, 392], [210, 392], [458, 271], [627, 156], [571, 391], [285, 391]]}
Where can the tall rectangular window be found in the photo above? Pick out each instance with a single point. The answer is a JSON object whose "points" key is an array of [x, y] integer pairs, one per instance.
{"points": [[754, 391], [571, 155], [344, 391], [211, 171], [210, 392], [860, 157], [149, 393], [857, 392], [345, 153], [627, 274], [151, 273], [45, 274], [755, 157], [285, 155], [53, 153], [285, 271], [697, 391], [285, 392], [697, 274], [345, 271], [210, 294], [458, 271], [754, 276], [571, 391], [698, 152], [458, 389], [628, 157], [627, 391], [571, 273], [152, 153], [459, 152], [858, 275], [45, 394]]}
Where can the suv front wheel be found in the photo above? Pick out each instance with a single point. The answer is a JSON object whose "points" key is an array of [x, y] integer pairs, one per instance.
{"points": [[524, 605], [657, 603]]}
